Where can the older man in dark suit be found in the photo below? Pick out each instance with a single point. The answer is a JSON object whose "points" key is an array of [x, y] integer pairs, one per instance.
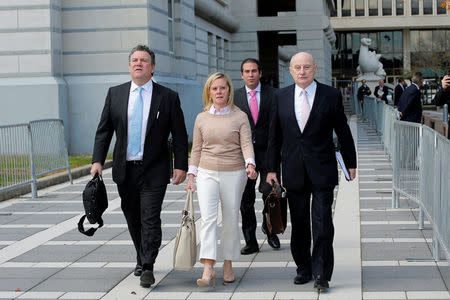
{"points": [[306, 113], [256, 100], [381, 91], [142, 114], [410, 103]]}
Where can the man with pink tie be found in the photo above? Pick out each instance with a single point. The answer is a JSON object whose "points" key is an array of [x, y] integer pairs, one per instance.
{"points": [[255, 100]]}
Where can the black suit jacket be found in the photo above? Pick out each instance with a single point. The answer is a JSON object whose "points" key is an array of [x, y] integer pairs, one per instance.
{"points": [[398, 91], [310, 151], [410, 104], [260, 130], [385, 92], [165, 116]]}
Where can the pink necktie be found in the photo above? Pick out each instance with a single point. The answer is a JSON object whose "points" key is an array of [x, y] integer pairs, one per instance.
{"points": [[305, 109], [254, 106]]}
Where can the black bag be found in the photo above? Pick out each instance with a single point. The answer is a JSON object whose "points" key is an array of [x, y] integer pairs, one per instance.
{"points": [[275, 209], [95, 202]]}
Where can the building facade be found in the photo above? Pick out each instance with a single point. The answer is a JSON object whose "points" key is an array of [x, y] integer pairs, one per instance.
{"points": [[59, 57], [410, 35]]}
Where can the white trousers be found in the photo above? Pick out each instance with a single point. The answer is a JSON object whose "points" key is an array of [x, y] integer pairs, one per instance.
{"points": [[228, 187]]}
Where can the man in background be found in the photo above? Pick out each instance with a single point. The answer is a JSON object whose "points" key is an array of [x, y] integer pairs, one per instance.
{"points": [[410, 104], [381, 91], [363, 90], [398, 91]]}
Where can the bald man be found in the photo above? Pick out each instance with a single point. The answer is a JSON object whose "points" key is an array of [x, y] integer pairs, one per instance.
{"points": [[301, 137]]}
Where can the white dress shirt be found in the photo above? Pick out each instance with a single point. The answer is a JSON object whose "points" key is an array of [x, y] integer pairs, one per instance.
{"points": [[310, 94], [223, 111], [147, 90], [258, 95]]}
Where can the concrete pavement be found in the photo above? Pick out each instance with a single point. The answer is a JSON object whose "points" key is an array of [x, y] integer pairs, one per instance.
{"points": [[379, 252]]}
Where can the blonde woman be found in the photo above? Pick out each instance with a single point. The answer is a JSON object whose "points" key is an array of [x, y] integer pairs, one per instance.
{"points": [[221, 160]]}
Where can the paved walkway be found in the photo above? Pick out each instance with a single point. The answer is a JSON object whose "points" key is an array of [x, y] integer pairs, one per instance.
{"points": [[380, 253]]}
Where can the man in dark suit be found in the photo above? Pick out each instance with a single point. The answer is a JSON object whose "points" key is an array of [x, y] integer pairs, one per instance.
{"points": [[256, 100], [410, 103], [301, 132], [443, 95], [381, 91], [398, 91], [363, 90], [142, 113]]}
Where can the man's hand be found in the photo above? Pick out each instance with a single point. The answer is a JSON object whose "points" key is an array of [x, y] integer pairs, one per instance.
{"points": [[251, 172], [190, 184], [178, 176], [271, 176], [352, 173], [96, 168], [446, 81]]}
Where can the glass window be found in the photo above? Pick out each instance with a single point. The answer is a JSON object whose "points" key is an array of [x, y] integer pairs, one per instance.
{"points": [[398, 42], [414, 7], [346, 8], [448, 40], [373, 7], [386, 42], [359, 8], [170, 28], [211, 58], [387, 7], [439, 40], [414, 37], [425, 40], [427, 7], [441, 7], [333, 12], [374, 37], [355, 42], [349, 42], [399, 7]]}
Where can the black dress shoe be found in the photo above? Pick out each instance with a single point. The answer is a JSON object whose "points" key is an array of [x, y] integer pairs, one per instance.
{"points": [[321, 284], [147, 278], [138, 270], [249, 249], [302, 279], [273, 241]]}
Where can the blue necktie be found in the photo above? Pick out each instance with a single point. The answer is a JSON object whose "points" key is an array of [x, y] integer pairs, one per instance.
{"points": [[134, 145]]}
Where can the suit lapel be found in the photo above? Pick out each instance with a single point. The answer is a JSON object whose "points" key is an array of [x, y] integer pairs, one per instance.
{"points": [[154, 107], [124, 95], [263, 103], [316, 106], [243, 103], [291, 107]]}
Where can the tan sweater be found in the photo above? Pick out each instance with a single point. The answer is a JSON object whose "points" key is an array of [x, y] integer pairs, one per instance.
{"points": [[221, 142]]}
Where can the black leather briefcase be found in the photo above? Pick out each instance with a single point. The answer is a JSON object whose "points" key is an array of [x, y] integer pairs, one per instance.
{"points": [[95, 202]]}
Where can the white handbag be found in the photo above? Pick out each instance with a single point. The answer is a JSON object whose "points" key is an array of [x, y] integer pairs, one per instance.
{"points": [[185, 251]]}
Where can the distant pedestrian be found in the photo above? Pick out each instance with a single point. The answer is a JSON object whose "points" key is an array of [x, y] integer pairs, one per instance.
{"points": [[398, 91], [410, 104], [381, 91], [363, 90]]}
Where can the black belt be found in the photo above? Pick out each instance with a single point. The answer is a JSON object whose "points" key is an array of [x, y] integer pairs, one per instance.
{"points": [[135, 162]]}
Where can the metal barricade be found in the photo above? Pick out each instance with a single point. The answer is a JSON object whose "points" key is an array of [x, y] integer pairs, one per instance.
{"points": [[31, 150], [421, 167], [15, 156]]}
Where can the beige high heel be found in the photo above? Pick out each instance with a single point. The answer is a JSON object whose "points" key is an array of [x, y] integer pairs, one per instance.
{"points": [[205, 282]]}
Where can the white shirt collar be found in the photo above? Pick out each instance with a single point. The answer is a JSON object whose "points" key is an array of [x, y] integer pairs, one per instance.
{"points": [[417, 86], [258, 88], [310, 89], [223, 111], [146, 87]]}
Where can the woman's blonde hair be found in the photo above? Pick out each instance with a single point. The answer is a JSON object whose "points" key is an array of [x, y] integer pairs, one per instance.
{"points": [[207, 101]]}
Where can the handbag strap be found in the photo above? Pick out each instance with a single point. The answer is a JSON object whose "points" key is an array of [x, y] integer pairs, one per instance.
{"points": [[90, 231], [189, 203]]}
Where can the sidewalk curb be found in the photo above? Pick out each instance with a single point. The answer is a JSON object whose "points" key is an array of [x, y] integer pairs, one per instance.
{"points": [[49, 181]]}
